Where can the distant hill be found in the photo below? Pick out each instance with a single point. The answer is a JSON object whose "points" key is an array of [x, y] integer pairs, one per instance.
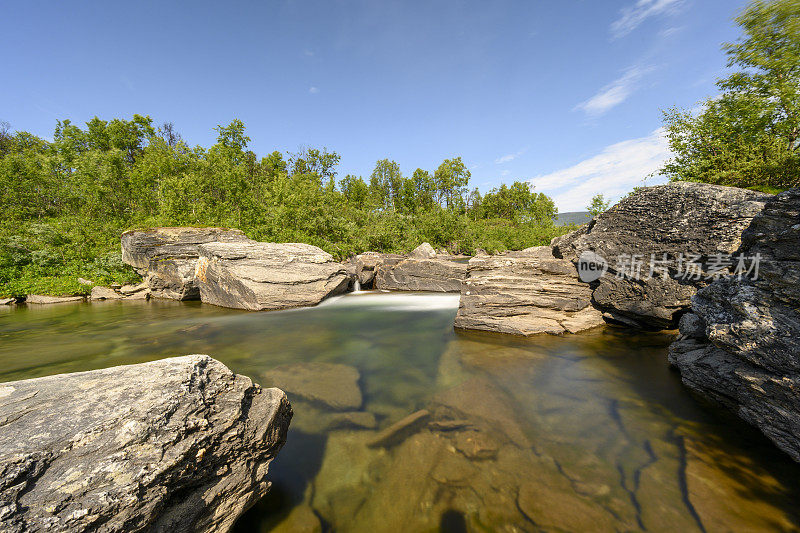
{"points": [[575, 217]]}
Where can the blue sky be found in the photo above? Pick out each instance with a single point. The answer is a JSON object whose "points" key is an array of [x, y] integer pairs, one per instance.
{"points": [[564, 93]]}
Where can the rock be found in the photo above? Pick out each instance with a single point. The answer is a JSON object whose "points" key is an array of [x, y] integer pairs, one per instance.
{"points": [[400, 430], [741, 344], [678, 218], [7, 301], [332, 385], [105, 293], [257, 275], [350, 420], [127, 290], [39, 299], [84, 281], [525, 293], [168, 257], [364, 267], [180, 444], [301, 519], [412, 274], [423, 251]]}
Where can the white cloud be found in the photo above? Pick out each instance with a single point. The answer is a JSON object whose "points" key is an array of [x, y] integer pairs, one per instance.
{"points": [[613, 172], [614, 93], [509, 157], [313, 90], [505, 173], [632, 16]]}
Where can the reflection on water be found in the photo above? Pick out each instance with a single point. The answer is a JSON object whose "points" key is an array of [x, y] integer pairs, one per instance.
{"points": [[588, 432]]}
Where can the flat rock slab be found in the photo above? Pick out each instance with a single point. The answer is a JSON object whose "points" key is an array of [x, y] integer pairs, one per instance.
{"points": [[260, 276], [38, 299], [526, 293], [418, 274], [332, 385], [180, 444]]}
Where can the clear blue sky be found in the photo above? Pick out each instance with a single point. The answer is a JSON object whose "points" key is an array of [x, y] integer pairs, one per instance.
{"points": [[566, 93]]}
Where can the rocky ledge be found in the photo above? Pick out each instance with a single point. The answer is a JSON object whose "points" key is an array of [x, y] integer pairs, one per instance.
{"points": [[740, 345], [180, 444], [166, 257], [422, 270], [258, 275], [683, 220], [525, 293]]}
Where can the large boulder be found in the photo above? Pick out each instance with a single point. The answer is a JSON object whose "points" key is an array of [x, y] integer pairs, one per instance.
{"points": [[167, 257], [689, 222], [258, 275], [740, 345], [180, 444], [364, 267], [422, 270], [526, 293]]}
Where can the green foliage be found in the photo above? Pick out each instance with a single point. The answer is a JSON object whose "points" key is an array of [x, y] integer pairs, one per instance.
{"points": [[598, 205], [749, 136], [66, 202]]}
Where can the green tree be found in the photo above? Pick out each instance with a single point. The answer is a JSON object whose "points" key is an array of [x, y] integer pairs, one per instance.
{"points": [[748, 136], [599, 205]]}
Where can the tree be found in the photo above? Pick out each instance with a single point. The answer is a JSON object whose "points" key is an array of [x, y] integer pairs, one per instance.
{"points": [[748, 136], [451, 179], [385, 183], [598, 205]]}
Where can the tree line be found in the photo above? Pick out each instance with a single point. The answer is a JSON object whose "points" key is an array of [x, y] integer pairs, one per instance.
{"points": [[66, 201]]}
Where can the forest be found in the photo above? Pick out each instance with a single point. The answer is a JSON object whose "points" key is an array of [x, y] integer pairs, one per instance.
{"points": [[66, 201]]}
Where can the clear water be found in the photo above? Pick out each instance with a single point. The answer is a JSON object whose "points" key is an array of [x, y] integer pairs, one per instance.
{"points": [[586, 432]]}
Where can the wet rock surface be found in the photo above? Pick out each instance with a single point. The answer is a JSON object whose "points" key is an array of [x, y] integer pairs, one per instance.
{"points": [[259, 276], [678, 218], [166, 257], [179, 444], [526, 293], [740, 346], [335, 386]]}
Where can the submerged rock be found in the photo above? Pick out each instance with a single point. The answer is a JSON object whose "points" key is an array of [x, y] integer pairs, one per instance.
{"points": [[167, 257], [740, 345], [525, 293], [180, 444], [260, 275], [332, 385], [39, 299], [674, 219]]}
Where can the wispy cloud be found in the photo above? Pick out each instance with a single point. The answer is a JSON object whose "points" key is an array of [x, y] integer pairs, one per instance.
{"points": [[613, 172], [632, 16], [505, 173], [614, 93], [313, 90], [509, 157]]}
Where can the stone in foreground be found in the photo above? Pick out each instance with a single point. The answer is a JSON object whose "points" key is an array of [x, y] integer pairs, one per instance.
{"points": [[259, 275], [740, 345], [167, 257], [180, 444], [674, 219], [526, 293]]}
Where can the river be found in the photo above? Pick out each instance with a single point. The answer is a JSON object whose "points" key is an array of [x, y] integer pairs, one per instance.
{"points": [[584, 432]]}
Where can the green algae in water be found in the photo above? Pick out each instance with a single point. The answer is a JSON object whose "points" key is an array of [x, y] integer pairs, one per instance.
{"points": [[584, 432]]}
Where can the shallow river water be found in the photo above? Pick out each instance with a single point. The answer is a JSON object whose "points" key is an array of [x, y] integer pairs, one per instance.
{"points": [[590, 432]]}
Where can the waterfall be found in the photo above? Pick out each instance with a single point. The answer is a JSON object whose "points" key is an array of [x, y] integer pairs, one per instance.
{"points": [[356, 285]]}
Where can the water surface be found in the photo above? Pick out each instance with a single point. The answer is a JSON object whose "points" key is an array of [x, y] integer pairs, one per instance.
{"points": [[585, 432]]}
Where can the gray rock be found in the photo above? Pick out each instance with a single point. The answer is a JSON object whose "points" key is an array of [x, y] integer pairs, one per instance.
{"points": [[740, 345], [180, 444], [364, 267], [128, 290], [412, 274], [333, 385], [678, 218], [168, 256], [258, 276], [39, 299], [7, 301], [105, 293], [526, 293], [423, 251]]}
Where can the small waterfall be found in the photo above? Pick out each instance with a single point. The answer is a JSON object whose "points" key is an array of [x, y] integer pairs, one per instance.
{"points": [[356, 285]]}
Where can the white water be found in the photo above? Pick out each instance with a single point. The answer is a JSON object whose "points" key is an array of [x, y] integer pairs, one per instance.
{"points": [[395, 301]]}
